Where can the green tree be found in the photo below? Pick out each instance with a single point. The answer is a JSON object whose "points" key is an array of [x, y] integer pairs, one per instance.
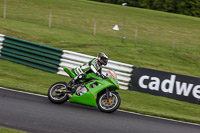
{"points": [[159, 5], [187, 7], [146, 4]]}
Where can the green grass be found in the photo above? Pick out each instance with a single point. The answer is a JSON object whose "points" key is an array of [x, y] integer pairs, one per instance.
{"points": [[25, 78], [7, 130], [72, 29]]}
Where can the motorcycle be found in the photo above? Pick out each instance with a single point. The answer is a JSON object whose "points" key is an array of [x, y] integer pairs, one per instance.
{"points": [[92, 90]]}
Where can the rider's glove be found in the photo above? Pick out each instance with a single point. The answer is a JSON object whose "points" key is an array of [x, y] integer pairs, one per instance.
{"points": [[100, 75], [103, 76]]}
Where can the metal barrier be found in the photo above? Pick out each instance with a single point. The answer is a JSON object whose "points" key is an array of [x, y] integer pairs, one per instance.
{"points": [[31, 54], [52, 59]]}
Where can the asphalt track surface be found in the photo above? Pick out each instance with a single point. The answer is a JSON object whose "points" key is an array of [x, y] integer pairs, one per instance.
{"points": [[37, 114]]}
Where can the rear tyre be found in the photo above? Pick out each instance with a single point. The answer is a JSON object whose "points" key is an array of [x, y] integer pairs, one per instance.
{"points": [[57, 93], [111, 105]]}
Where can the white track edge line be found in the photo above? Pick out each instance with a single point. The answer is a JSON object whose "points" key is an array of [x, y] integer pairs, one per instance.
{"points": [[117, 110], [159, 117], [23, 92]]}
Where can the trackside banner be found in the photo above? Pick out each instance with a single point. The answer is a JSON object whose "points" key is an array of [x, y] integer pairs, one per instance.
{"points": [[179, 87]]}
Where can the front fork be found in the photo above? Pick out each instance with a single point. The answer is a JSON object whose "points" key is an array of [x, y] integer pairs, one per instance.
{"points": [[108, 94]]}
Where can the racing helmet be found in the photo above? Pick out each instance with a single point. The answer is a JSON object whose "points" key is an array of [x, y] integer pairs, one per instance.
{"points": [[103, 58]]}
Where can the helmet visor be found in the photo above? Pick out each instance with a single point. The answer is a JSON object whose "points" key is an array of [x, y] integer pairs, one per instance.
{"points": [[104, 60]]}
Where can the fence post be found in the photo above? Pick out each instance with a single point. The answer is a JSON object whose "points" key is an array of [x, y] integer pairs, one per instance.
{"points": [[95, 27], [186, 44], [50, 16], [136, 34], [4, 9], [173, 42], [190, 43]]}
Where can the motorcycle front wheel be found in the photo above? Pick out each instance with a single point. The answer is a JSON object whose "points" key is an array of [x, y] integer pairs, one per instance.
{"points": [[57, 93], [110, 105]]}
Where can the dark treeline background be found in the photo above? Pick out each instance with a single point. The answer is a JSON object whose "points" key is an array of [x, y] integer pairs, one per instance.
{"points": [[187, 7]]}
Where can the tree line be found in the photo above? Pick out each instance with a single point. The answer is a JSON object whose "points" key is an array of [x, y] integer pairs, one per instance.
{"points": [[186, 7]]}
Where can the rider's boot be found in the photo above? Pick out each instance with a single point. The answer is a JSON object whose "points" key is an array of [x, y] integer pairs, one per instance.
{"points": [[73, 81], [69, 85]]}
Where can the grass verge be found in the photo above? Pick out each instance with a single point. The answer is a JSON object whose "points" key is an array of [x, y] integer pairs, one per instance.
{"points": [[7, 130]]}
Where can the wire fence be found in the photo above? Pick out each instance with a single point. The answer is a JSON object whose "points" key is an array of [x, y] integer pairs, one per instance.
{"points": [[89, 24]]}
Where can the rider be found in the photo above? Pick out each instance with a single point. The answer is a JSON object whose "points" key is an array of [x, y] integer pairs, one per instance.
{"points": [[95, 66]]}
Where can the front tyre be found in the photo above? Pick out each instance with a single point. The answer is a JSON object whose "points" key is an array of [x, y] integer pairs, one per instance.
{"points": [[57, 93], [111, 105]]}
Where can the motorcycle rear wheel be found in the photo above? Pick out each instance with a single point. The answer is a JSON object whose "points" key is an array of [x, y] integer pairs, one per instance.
{"points": [[57, 93], [111, 105]]}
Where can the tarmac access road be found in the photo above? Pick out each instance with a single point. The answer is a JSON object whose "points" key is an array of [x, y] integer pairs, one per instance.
{"points": [[35, 113]]}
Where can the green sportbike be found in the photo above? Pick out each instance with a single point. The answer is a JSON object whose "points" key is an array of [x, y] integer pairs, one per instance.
{"points": [[92, 91]]}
